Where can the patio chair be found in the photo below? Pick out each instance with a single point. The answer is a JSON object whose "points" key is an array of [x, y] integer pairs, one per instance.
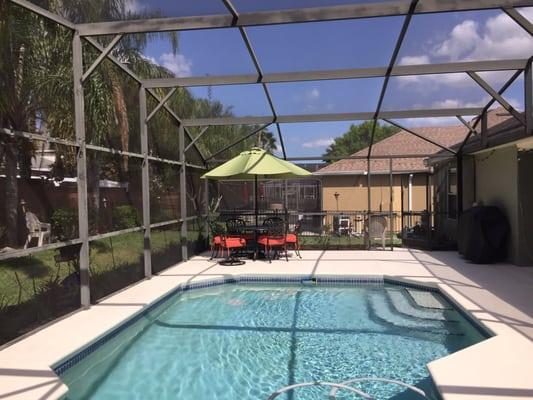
{"points": [[235, 226], [37, 229], [232, 245], [217, 232], [292, 239], [275, 239], [345, 226], [377, 228]]}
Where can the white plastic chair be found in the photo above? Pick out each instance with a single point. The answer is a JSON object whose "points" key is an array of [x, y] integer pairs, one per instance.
{"points": [[377, 228], [345, 226], [37, 229]]}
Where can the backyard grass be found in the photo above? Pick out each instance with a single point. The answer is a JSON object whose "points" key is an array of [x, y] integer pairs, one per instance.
{"points": [[21, 278]]}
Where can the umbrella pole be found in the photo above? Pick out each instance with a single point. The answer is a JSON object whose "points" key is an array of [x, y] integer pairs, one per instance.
{"points": [[255, 202]]}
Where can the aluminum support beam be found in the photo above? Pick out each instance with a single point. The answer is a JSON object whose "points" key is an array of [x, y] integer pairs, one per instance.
{"points": [[354, 73], [83, 211], [496, 96], [183, 193], [528, 96], [391, 209], [373, 157], [132, 75], [196, 138], [329, 13], [467, 125], [44, 13], [369, 203], [487, 107], [281, 141], [258, 69], [484, 130], [161, 104], [145, 178], [356, 116], [392, 62], [519, 19], [102, 56], [419, 136], [254, 132]]}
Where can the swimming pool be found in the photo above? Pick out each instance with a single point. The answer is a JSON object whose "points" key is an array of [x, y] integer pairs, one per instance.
{"points": [[244, 341]]}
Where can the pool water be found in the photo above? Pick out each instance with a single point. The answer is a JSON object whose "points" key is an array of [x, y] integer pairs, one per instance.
{"points": [[245, 341]]}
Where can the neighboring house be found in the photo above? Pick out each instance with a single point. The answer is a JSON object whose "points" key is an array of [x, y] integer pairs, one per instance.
{"points": [[497, 170], [344, 183]]}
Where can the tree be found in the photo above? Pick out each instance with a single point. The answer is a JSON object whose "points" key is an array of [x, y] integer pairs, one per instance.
{"points": [[17, 103], [357, 138]]}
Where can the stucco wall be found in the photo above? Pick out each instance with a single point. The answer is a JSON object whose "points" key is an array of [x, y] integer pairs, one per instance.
{"points": [[497, 185], [352, 190]]}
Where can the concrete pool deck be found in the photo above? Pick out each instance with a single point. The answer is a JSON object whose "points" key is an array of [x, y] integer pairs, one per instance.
{"points": [[499, 296]]}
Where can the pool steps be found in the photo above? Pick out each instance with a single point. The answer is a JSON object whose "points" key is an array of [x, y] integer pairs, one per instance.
{"points": [[403, 304], [428, 300], [384, 312]]}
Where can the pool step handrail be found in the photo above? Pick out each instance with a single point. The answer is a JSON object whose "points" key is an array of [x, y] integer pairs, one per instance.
{"points": [[319, 383], [333, 392], [345, 386]]}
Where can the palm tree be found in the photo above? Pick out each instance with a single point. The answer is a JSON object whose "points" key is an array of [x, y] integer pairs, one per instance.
{"points": [[17, 103]]}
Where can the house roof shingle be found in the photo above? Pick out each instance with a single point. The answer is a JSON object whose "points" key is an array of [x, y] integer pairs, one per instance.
{"points": [[403, 143]]}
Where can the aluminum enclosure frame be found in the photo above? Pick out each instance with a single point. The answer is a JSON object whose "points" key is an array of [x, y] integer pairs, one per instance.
{"points": [[233, 19]]}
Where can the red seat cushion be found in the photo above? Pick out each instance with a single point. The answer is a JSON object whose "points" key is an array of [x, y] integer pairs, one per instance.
{"points": [[217, 240], [264, 240], [233, 242], [291, 238]]}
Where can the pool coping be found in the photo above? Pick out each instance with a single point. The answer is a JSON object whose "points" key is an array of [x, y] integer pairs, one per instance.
{"points": [[50, 386]]}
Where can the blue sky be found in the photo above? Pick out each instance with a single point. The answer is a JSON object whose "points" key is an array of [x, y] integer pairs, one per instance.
{"points": [[343, 44]]}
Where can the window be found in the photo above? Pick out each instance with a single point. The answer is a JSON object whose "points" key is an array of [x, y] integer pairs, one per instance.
{"points": [[452, 193]]}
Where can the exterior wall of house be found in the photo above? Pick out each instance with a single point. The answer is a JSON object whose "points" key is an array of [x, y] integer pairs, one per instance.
{"points": [[525, 210], [497, 185], [352, 190], [496, 177]]}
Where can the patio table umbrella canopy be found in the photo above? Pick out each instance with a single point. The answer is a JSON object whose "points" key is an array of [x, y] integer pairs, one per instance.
{"points": [[253, 164], [256, 164]]}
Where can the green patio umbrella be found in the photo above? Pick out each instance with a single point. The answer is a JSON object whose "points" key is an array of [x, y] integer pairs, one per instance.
{"points": [[256, 164]]}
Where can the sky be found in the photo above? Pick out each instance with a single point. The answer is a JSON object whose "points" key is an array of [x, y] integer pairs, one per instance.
{"points": [[461, 36]]}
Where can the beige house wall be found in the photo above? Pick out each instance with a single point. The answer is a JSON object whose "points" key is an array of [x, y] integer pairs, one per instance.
{"points": [[352, 190], [497, 185]]}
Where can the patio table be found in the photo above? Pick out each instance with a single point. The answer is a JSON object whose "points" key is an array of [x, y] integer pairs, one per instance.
{"points": [[256, 230]]}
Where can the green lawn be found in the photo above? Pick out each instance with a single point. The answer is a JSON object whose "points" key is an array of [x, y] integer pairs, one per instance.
{"points": [[21, 278], [332, 241]]}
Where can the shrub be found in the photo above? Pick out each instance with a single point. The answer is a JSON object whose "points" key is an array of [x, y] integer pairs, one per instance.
{"points": [[65, 223], [125, 217]]}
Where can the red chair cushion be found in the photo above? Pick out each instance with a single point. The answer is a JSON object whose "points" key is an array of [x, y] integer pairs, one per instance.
{"points": [[233, 242], [291, 238], [217, 240], [264, 240]]}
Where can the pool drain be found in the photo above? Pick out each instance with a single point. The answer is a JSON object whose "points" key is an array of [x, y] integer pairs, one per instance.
{"points": [[344, 386]]}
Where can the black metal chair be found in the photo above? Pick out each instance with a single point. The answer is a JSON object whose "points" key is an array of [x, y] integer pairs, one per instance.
{"points": [[217, 234], [275, 238]]}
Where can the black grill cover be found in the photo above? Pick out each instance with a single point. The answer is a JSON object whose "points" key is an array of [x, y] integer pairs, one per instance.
{"points": [[482, 234]]}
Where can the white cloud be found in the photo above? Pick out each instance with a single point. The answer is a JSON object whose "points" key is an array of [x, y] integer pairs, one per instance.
{"points": [[178, 64], [312, 94], [461, 41], [414, 60], [325, 142], [132, 6], [498, 38]]}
